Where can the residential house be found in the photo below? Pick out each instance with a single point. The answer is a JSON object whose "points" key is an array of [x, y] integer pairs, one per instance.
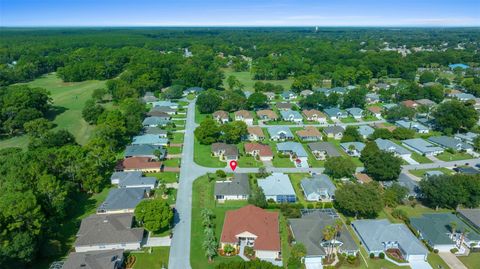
{"points": [[225, 152], [155, 131], [277, 187], [288, 95], [372, 98], [375, 111], [335, 113], [307, 230], [237, 188], [165, 109], [306, 93], [291, 115], [461, 66], [142, 164], [355, 112], [123, 200], [341, 90], [315, 115], [425, 102], [255, 133], [108, 232], [267, 114], [365, 131], [284, 105], [264, 152], [149, 98], [378, 236], [270, 95], [297, 153], [406, 181], [466, 137], [353, 149], [169, 104], [150, 139], [463, 96], [417, 127], [433, 173], [471, 216], [409, 104], [387, 145], [309, 133], [451, 143], [145, 150], [254, 227], [133, 180], [322, 150], [160, 114], [280, 133], [467, 170], [362, 178], [245, 116], [334, 131], [193, 90], [437, 231], [388, 106], [318, 188], [103, 259], [422, 147], [221, 116], [381, 86], [155, 122]]}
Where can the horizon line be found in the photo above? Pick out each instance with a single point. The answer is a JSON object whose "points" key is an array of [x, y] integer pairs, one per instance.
{"points": [[246, 26]]}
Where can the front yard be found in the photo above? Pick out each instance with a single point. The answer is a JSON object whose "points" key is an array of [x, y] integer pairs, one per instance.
{"points": [[164, 177], [421, 172], [471, 261], [458, 156], [157, 258], [420, 158], [202, 155]]}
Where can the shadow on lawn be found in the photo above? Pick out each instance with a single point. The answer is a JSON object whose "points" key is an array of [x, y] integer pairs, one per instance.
{"points": [[55, 111]]}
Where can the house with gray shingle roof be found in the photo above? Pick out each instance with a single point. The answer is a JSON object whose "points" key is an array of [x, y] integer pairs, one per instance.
{"points": [[225, 152], [280, 133], [307, 230], [451, 143], [278, 188], [150, 139], [133, 180], [288, 95], [463, 96], [169, 104], [436, 230], [372, 98], [145, 150], [155, 122], [193, 90], [318, 188], [164, 109], [297, 153], [291, 115], [322, 150], [387, 145], [104, 259], [123, 200], [466, 137], [353, 149], [416, 126], [108, 232], [236, 189], [471, 216], [335, 132], [355, 112], [422, 147], [377, 236], [155, 131], [365, 131], [149, 98], [335, 113]]}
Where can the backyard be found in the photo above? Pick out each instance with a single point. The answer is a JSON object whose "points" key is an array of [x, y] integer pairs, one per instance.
{"points": [[151, 258]]}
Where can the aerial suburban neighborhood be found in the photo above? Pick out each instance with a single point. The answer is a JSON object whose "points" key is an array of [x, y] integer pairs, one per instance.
{"points": [[177, 145]]}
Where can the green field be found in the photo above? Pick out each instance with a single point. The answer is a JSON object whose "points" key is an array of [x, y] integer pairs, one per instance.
{"points": [[246, 79], [471, 261], [68, 101], [157, 259]]}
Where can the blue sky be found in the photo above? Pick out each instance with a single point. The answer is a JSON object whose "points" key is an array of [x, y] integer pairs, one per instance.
{"points": [[239, 13]]}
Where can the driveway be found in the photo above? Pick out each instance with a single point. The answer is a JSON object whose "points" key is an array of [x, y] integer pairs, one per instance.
{"points": [[451, 260], [164, 241]]}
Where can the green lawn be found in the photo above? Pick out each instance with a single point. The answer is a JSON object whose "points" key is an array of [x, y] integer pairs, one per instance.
{"points": [[85, 205], [18, 142], [435, 261], [177, 138], [199, 117], [172, 162], [418, 210], [421, 172], [247, 161], [202, 156], [284, 162], [446, 156], [420, 158], [348, 120], [472, 261], [174, 150], [165, 177], [246, 78], [295, 180], [157, 259]]}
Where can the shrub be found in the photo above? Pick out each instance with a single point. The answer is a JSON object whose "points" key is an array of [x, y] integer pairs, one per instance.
{"points": [[400, 214], [249, 252], [221, 174], [351, 259], [310, 206], [372, 255], [381, 255], [454, 250], [435, 251], [348, 221], [228, 249]]}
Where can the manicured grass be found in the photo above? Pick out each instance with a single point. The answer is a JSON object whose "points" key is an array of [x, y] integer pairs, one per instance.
{"points": [[370, 118], [199, 117], [246, 78], [157, 259], [172, 162], [85, 205], [420, 158], [416, 211], [247, 161], [436, 262], [174, 150], [177, 138], [295, 180], [446, 156], [191, 96], [284, 162], [336, 143], [471, 261], [68, 100], [421, 172], [202, 156], [348, 120], [165, 177]]}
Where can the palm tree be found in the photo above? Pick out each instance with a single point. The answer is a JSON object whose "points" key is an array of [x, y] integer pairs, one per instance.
{"points": [[328, 234], [338, 227], [453, 227], [464, 234], [210, 246]]}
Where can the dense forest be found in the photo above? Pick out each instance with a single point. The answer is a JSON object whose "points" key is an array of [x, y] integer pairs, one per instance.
{"points": [[42, 183]]}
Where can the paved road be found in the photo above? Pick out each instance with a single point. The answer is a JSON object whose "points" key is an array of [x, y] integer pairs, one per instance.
{"points": [[440, 164], [261, 124]]}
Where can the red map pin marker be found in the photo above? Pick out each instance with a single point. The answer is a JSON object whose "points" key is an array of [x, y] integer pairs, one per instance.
{"points": [[233, 165]]}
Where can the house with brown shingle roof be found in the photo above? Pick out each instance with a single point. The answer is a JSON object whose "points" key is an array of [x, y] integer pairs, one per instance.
{"points": [[225, 152], [409, 103], [284, 106], [310, 133], [267, 114], [143, 164], [375, 111], [264, 152], [245, 116], [252, 226], [362, 178], [255, 133], [315, 115], [221, 116]]}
